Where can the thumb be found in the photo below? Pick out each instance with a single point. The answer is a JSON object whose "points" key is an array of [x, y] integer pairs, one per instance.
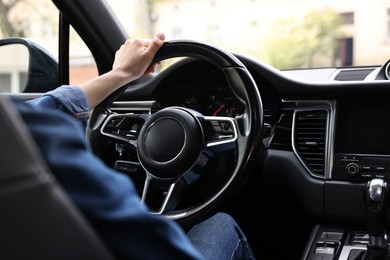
{"points": [[156, 43]]}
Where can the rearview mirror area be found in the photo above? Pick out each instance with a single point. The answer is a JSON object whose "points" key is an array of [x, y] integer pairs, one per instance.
{"points": [[26, 67]]}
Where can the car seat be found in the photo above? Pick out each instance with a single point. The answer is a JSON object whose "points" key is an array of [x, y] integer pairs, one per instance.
{"points": [[37, 219]]}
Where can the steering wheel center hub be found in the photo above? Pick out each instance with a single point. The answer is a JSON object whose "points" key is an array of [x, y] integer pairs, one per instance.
{"points": [[170, 142], [165, 139]]}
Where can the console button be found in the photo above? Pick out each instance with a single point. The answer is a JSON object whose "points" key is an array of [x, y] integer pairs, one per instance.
{"points": [[349, 158], [380, 168], [367, 175], [366, 167], [326, 247], [332, 235], [352, 169]]}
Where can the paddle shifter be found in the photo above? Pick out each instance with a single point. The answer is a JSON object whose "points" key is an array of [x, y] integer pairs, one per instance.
{"points": [[377, 215]]}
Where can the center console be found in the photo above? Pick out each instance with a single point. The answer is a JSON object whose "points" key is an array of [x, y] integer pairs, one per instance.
{"points": [[361, 155], [360, 167], [331, 243], [350, 244], [362, 141]]}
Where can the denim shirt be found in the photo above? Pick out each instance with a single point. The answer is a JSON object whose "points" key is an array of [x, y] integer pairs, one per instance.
{"points": [[70, 99], [107, 197]]}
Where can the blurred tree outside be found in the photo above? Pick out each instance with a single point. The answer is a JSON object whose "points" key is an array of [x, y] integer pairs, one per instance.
{"points": [[8, 27], [12, 25], [17, 17], [304, 42]]}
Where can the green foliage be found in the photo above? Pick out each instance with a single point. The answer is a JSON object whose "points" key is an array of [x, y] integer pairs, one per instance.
{"points": [[305, 42]]}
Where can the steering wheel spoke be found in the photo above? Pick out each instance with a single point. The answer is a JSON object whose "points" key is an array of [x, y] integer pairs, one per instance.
{"points": [[168, 192]]}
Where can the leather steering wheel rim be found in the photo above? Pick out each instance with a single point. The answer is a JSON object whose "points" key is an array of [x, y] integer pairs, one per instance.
{"points": [[249, 123]]}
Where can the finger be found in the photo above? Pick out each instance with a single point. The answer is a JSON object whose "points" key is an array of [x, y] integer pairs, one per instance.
{"points": [[150, 69], [157, 42]]}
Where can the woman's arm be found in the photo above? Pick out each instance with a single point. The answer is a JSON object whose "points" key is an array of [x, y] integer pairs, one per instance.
{"points": [[131, 61]]}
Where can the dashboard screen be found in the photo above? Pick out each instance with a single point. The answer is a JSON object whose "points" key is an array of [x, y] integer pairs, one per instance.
{"points": [[363, 127]]}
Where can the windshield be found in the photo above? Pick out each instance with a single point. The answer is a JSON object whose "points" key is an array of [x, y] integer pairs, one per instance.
{"points": [[287, 34]]}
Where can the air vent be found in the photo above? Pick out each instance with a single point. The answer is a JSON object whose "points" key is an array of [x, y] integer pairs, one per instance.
{"points": [[352, 75], [310, 138]]}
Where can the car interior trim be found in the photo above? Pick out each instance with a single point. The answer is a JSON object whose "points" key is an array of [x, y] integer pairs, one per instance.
{"points": [[330, 108], [133, 106]]}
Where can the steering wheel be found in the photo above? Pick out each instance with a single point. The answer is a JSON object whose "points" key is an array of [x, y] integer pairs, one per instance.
{"points": [[191, 163]]}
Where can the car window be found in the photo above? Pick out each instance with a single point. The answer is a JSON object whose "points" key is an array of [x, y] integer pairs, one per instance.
{"points": [[39, 24], [287, 34], [82, 66], [29, 20]]}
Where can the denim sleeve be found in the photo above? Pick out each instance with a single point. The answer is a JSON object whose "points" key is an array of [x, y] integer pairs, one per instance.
{"points": [[69, 99], [107, 198]]}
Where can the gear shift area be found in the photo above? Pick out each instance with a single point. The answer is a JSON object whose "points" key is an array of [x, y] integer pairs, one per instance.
{"points": [[369, 244], [377, 213], [377, 206]]}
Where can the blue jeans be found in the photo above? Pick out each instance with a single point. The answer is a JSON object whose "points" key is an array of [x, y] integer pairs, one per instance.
{"points": [[219, 237]]}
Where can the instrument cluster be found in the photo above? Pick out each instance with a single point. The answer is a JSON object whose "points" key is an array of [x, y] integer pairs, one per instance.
{"points": [[211, 95]]}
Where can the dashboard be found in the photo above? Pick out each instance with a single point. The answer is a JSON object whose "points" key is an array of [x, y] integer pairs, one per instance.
{"points": [[328, 134], [344, 108]]}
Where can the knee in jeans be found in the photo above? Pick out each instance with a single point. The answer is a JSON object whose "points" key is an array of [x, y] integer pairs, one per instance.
{"points": [[223, 218]]}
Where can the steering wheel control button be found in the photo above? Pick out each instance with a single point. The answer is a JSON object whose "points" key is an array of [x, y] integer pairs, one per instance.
{"points": [[170, 142], [219, 130], [122, 127]]}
